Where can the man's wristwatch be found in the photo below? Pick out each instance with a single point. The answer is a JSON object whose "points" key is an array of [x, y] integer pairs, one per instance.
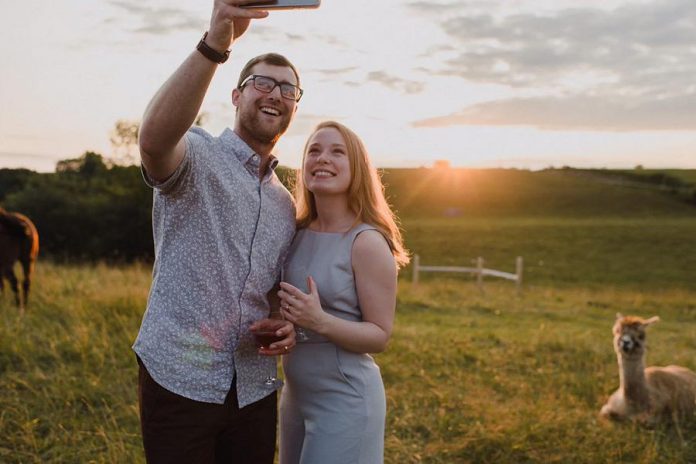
{"points": [[211, 54]]}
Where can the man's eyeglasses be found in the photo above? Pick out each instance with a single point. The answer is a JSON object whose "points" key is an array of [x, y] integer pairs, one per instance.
{"points": [[266, 84]]}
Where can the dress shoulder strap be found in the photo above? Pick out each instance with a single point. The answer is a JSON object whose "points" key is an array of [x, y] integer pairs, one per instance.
{"points": [[357, 230]]}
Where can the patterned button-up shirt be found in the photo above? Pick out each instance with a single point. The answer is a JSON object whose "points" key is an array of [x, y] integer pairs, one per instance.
{"points": [[221, 235]]}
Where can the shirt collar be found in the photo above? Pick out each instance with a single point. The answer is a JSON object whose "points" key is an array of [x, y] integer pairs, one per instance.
{"points": [[248, 157], [239, 147]]}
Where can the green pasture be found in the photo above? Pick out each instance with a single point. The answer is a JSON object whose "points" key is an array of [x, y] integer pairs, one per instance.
{"points": [[494, 378], [470, 377], [688, 176], [644, 252], [556, 193]]}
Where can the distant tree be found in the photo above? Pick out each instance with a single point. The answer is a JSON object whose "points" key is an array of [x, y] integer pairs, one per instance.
{"points": [[87, 210], [88, 166], [124, 140], [14, 180], [639, 167]]}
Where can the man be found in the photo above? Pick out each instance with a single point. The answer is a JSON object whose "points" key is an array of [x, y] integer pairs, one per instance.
{"points": [[222, 225]]}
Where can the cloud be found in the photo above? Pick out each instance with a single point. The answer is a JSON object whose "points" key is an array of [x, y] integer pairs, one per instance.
{"points": [[637, 57], [576, 113], [162, 20], [295, 37], [336, 71], [304, 123], [396, 83], [621, 42], [273, 34], [439, 6], [637, 43]]}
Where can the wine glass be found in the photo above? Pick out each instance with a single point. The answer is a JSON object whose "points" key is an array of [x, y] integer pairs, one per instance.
{"points": [[265, 335], [265, 332], [300, 334]]}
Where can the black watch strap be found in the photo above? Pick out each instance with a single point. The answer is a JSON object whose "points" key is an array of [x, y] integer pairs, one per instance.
{"points": [[211, 54]]}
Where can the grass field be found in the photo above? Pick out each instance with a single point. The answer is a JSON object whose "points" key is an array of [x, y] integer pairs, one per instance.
{"points": [[566, 193], [492, 378], [687, 176], [629, 252]]}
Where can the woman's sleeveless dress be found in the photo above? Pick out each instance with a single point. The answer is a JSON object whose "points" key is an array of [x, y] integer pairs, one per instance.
{"points": [[332, 407]]}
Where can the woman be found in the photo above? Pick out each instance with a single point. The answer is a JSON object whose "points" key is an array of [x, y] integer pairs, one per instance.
{"points": [[339, 289]]}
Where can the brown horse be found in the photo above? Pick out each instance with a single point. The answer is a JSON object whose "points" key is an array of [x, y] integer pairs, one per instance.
{"points": [[19, 241]]}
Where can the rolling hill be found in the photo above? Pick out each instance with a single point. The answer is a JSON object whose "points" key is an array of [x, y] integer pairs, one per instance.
{"points": [[436, 192]]}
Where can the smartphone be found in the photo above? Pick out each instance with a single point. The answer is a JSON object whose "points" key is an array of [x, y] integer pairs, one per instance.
{"points": [[282, 4]]}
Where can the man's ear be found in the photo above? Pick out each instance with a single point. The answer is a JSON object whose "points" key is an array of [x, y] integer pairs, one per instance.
{"points": [[236, 95]]}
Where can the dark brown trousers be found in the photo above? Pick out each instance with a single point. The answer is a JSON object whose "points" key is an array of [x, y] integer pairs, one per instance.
{"points": [[180, 430]]}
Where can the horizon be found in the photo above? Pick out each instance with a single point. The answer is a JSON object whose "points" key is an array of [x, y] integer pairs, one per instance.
{"points": [[523, 84], [434, 165]]}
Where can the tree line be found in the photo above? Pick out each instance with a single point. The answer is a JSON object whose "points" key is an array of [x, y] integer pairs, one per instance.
{"points": [[85, 210], [88, 209]]}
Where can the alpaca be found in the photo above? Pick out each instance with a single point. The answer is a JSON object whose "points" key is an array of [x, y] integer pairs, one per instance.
{"points": [[650, 394]]}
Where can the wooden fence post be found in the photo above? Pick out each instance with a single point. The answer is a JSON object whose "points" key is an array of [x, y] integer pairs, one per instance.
{"points": [[519, 270], [416, 265], [479, 273]]}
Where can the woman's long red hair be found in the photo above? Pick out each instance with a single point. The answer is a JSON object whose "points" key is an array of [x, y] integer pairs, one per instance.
{"points": [[365, 196]]}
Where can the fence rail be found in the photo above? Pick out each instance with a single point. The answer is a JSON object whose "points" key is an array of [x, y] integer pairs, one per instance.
{"points": [[479, 271]]}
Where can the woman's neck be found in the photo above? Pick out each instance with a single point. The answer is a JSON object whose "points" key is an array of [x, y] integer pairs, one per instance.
{"points": [[333, 214]]}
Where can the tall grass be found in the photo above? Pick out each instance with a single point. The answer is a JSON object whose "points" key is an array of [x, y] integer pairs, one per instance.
{"points": [[470, 377], [67, 375], [496, 378]]}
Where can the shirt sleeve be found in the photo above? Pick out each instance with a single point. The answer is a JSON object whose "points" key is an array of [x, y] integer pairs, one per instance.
{"points": [[194, 146]]}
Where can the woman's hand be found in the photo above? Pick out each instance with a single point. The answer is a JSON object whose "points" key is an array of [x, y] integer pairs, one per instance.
{"points": [[302, 309]]}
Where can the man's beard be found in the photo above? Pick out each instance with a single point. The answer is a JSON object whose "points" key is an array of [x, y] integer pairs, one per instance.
{"points": [[261, 132]]}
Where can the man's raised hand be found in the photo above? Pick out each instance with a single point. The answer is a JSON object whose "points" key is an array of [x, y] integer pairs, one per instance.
{"points": [[228, 22]]}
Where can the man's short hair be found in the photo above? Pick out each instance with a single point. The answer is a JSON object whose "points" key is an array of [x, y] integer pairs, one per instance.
{"points": [[274, 59]]}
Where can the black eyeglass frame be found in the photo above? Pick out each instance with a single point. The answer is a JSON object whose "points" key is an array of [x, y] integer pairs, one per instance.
{"points": [[253, 77]]}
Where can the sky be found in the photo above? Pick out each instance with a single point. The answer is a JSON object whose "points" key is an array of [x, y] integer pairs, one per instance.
{"points": [[480, 83]]}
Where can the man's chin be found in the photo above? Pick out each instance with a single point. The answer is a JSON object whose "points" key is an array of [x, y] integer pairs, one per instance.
{"points": [[270, 135], [264, 132]]}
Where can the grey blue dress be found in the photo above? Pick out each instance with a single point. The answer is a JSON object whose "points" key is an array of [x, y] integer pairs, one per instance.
{"points": [[332, 407]]}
